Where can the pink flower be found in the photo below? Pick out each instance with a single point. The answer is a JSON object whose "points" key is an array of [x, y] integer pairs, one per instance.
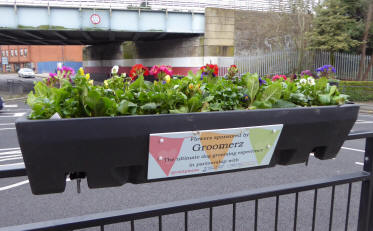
{"points": [[279, 77]]}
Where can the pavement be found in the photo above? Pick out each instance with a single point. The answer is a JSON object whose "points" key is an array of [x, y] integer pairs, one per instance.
{"points": [[20, 206]]}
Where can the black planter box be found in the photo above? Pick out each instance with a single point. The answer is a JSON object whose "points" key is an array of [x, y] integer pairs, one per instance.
{"points": [[114, 150]]}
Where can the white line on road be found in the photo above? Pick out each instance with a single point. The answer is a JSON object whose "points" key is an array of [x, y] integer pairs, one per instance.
{"points": [[14, 185], [12, 158], [7, 124], [10, 105], [19, 184], [353, 149], [7, 149], [7, 156], [364, 122], [10, 152], [6, 165], [3, 129], [11, 115], [359, 163]]}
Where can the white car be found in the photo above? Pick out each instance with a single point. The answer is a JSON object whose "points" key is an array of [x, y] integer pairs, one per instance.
{"points": [[26, 72]]}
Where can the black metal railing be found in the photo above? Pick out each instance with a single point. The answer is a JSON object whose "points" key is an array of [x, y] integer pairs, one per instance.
{"points": [[101, 220]]}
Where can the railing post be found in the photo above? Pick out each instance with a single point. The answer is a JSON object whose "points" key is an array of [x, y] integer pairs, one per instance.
{"points": [[365, 222]]}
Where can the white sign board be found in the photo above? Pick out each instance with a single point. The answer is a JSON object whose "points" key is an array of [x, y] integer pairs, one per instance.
{"points": [[197, 152], [4, 60]]}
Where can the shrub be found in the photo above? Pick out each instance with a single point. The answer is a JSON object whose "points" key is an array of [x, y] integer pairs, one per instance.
{"points": [[357, 90]]}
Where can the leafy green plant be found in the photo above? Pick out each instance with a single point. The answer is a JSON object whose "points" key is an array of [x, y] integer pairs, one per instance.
{"points": [[196, 92]]}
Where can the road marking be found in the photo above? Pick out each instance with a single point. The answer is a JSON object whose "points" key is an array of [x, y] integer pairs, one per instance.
{"points": [[10, 152], [7, 149], [10, 105], [7, 124], [364, 122], [12, 158], [7, 156], [19, 114], [353, 149], [6, 165], [15, 99], [359, 163], [3, 129], [14, 185], [19, 184]]}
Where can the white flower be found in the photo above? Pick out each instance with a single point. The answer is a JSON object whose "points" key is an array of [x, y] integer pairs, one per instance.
{"points": [[115, 69], [302, 81], [311, 81]]}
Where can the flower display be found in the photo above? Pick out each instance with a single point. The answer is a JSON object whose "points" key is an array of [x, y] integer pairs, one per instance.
{"points": [[161, 72], [121, 95], [62, 73], [115, 70], [306, 73], [232, 71], [138, 70], [279, 77], [210, 70], [327, 71]]}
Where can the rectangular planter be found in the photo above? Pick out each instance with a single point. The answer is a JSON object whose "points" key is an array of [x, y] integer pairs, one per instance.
{"points": [[114, 150]]}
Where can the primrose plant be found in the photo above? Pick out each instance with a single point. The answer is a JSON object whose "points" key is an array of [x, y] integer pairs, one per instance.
{"points": [[327, 71]]}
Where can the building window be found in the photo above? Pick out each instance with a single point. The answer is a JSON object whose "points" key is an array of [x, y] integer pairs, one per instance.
{"points": [[12, 53], [15, 52], [25, 51], [3, 53], [21, 52], [7, 53]]}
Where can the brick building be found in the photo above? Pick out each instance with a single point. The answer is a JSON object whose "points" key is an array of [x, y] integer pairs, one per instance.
{"points": [[41, 58]]}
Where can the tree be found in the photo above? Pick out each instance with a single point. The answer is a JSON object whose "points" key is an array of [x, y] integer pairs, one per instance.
{"points": [[365, 41], [331, 28]]}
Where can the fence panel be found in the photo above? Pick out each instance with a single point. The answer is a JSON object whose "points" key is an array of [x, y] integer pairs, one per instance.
{"points": [[287, 62]]}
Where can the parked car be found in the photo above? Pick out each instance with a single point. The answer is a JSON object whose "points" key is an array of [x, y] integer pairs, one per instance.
{"points": [[1, 103], [26, 72]]}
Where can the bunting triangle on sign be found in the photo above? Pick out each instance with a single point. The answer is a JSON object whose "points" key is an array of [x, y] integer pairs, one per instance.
{"points": [[216, 155], [165, 151], [262, 140]]}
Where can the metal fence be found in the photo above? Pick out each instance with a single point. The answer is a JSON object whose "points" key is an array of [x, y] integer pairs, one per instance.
{"points": [[211, 204], [179, 5], [287, 61]]}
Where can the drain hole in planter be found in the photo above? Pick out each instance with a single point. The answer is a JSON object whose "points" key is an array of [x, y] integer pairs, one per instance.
{"points": [[319, 152], [286, 156], [77, 175], [121, 174]]}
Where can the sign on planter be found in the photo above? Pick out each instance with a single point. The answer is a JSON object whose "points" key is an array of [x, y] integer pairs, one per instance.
{"points": [[197, 152]]}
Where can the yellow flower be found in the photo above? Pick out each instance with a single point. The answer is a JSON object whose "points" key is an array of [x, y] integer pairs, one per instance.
{"points": [[198, 85], [167, 78], [87, 76], [90, 82], [81, 71], [191, 86], [106, 83], [155, 82]]}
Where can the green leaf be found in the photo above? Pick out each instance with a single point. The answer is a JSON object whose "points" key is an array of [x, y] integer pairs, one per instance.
{"points": [[262, 104], [272, 92], [149, 106], [194, 104], [332, 90], [179, 110], [252, 84], [324, 99], [283, 104], [126, 107]]}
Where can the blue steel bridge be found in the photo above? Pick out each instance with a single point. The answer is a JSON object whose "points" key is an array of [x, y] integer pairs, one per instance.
{"points": [[108, 21]]}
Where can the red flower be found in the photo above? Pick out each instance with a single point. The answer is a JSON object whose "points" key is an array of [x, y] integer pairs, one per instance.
{"points": [[137, 70], [212, 69], [277, 77]]}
